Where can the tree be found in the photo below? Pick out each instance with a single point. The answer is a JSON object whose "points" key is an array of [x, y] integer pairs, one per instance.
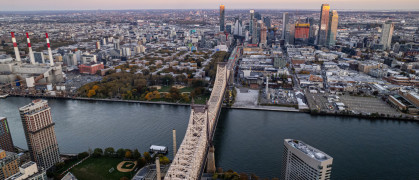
{"points": [[156, 94], [120, 152], [91, 93], [128, 154], [174, 93], [141, 162], [59, 165], [109, 151], [82, 155], [97, 152], [149, 96], [136, 154], [164, 160], [147, 157]]}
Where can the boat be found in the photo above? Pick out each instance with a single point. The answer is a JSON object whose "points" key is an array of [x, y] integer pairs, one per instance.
{"points": [[158, 149], [2, 96]]}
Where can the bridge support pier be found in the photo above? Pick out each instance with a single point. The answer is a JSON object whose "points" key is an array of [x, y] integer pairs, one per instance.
{"points": [[211, 160], [158, 173]]}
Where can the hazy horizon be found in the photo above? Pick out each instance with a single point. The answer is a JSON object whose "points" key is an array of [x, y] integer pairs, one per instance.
{"points": [[51, 5]]}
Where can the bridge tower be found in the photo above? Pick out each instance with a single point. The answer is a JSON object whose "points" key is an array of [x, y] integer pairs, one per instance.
{"points": [[211, 160]]}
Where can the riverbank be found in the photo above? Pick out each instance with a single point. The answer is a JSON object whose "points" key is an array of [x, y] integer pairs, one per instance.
{"points": [[256, 108], [104, 100]]}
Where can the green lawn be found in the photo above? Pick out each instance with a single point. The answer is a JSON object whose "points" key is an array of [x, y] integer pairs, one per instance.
{"points": [[165, 89], [98, 168]]}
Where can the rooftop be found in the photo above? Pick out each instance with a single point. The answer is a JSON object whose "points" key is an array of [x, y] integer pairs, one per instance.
{"points": [[308, 150]]}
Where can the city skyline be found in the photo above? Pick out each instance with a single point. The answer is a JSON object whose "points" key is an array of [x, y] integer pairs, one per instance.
{"points": [[39, 5]]}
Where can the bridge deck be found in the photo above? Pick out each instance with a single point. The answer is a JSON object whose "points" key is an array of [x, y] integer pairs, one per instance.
{"points": [[191, 155]]}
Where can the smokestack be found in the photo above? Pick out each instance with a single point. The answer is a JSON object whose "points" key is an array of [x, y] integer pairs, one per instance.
{"points": [[31, 56], [51, 61], [174, 143], [17, 54], [158, 168]]}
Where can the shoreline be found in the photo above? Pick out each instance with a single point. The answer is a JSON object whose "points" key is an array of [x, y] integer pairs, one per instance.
{"points": [[259, 108]]}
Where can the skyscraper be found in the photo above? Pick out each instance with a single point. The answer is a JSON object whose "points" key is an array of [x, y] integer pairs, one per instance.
{"points": [[312, 33], [238, 28], [252, 16], [255, 38], [6, 142], [263, 35], [40, 133], [267, 21], [387, 35], [302, 161], [324, 25], [285, 20], [222, 17], [302, 33], [258, 16], [333, 28]]}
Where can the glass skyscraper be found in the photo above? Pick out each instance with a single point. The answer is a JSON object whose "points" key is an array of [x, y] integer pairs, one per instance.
{"points": [[222, 18], [387, 35], [333, 28], [324, 25]]}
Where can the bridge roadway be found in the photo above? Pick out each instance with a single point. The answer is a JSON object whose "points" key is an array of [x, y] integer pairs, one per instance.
{"points": [[191, 157]]}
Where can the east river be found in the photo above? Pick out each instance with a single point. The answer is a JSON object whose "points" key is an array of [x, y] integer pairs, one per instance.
{"points": [[245, 140]]}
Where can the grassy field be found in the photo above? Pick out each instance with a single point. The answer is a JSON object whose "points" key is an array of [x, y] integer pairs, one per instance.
{"points": [[98, 168]]}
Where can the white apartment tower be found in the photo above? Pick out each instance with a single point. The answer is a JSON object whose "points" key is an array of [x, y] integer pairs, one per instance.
{"points": [[387, 35], [302, 161], [40, 133]]}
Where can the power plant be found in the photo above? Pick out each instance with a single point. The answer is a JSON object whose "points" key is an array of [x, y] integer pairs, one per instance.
{"points": [[31, 73]]}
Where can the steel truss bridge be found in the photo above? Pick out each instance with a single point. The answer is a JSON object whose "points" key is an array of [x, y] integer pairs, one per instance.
{"points": [[191, 157]]}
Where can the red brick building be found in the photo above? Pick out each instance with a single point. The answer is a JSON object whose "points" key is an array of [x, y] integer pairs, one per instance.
{"points": [[90, 69]]}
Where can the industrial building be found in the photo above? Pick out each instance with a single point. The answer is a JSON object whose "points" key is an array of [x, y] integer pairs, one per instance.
{"points": [[33, 73]]}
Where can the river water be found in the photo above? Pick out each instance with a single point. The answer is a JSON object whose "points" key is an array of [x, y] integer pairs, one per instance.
{"points": [[245, 140]]}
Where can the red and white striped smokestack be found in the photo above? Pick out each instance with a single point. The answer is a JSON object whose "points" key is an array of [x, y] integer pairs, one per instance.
{"points": [[51, 61], [17, 54], [31, 56]]}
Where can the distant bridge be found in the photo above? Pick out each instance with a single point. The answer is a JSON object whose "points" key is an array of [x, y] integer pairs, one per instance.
{"points": [[191, 157]]}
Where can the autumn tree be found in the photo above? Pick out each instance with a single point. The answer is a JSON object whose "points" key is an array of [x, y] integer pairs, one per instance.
{"points": [[128, 154]]}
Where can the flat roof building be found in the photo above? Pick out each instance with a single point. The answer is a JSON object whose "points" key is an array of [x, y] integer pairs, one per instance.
{"points": [[6, 142], [9, 164], [40, 134], [302, 161]]}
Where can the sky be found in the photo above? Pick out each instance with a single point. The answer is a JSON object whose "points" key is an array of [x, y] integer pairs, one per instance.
{"points": [[30, 5]]}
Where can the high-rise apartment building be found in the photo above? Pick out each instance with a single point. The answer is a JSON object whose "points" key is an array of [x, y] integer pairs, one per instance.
{"points": [[302, 161], [267, 21], [285, 21], [40, 134], [333, 28], [238, 28], [302, 33], [263, 35], [222, 18], [9, 164], [252, 17], [324, 25], [255, 38], [6, 142], [387, 35], [312, 33]]}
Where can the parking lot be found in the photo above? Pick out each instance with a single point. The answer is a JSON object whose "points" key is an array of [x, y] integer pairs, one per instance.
{"points": [[367, 105]]}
